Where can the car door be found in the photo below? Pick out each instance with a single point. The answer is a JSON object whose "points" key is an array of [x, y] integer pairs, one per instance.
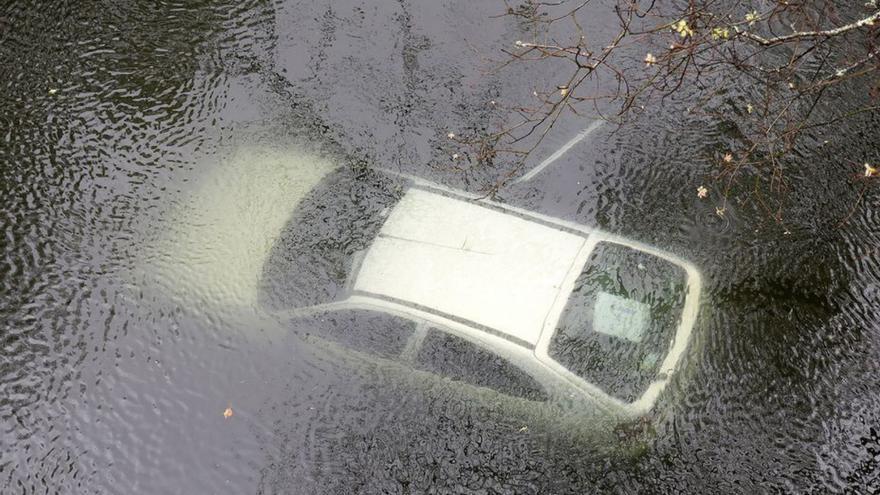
{"points": [[421, 345], [461, 360]]}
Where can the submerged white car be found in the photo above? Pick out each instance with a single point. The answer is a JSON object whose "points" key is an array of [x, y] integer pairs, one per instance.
{"points": [[543, 319], [484, 293]]}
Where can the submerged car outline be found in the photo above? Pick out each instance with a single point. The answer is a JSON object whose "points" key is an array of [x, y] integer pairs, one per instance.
{"points": [[428, 218], [220, 250]]}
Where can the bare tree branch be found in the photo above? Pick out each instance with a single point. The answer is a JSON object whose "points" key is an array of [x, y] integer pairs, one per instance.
{"points": [[802, 35], [693, 47]]}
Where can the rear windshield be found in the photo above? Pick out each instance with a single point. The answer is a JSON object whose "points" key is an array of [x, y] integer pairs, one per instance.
{"points": [[327, 233], [620, 319]]}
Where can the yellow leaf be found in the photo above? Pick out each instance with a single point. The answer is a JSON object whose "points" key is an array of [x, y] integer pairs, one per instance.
{"points": [[720, 33], [682, 28], [227, 413], [752, 17]]}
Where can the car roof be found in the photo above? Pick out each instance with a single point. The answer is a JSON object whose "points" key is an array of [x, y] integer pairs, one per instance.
{"points": [[461, 258]]}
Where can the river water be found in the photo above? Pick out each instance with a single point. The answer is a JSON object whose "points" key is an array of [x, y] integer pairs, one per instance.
{"points": [[115, 373]]}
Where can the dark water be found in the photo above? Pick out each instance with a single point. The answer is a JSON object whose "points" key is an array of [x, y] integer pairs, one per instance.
{"points": [[114, 380]]}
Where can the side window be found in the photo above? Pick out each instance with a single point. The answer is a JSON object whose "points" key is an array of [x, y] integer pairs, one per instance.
{"points": [[459, 359], [378, 333]]}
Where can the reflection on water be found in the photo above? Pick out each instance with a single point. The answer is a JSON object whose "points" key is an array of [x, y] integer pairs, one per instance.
{"points": [[116, 364]]}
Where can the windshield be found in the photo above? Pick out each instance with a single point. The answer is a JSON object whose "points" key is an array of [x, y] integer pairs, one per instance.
{"points": [[326, 235], [620, 319]]}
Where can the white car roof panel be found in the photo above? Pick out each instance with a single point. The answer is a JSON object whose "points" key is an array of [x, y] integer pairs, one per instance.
{"points": [[461, 258]]}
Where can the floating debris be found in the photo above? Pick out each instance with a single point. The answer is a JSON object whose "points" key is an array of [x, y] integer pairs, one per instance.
{"points": [[702, 192]]}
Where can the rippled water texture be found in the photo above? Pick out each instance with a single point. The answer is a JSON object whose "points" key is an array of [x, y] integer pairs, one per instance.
{"points": [[146, 161]]}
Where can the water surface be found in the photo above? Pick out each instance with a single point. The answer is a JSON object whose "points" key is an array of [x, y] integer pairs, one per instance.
{"points": [[115, 369]]}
